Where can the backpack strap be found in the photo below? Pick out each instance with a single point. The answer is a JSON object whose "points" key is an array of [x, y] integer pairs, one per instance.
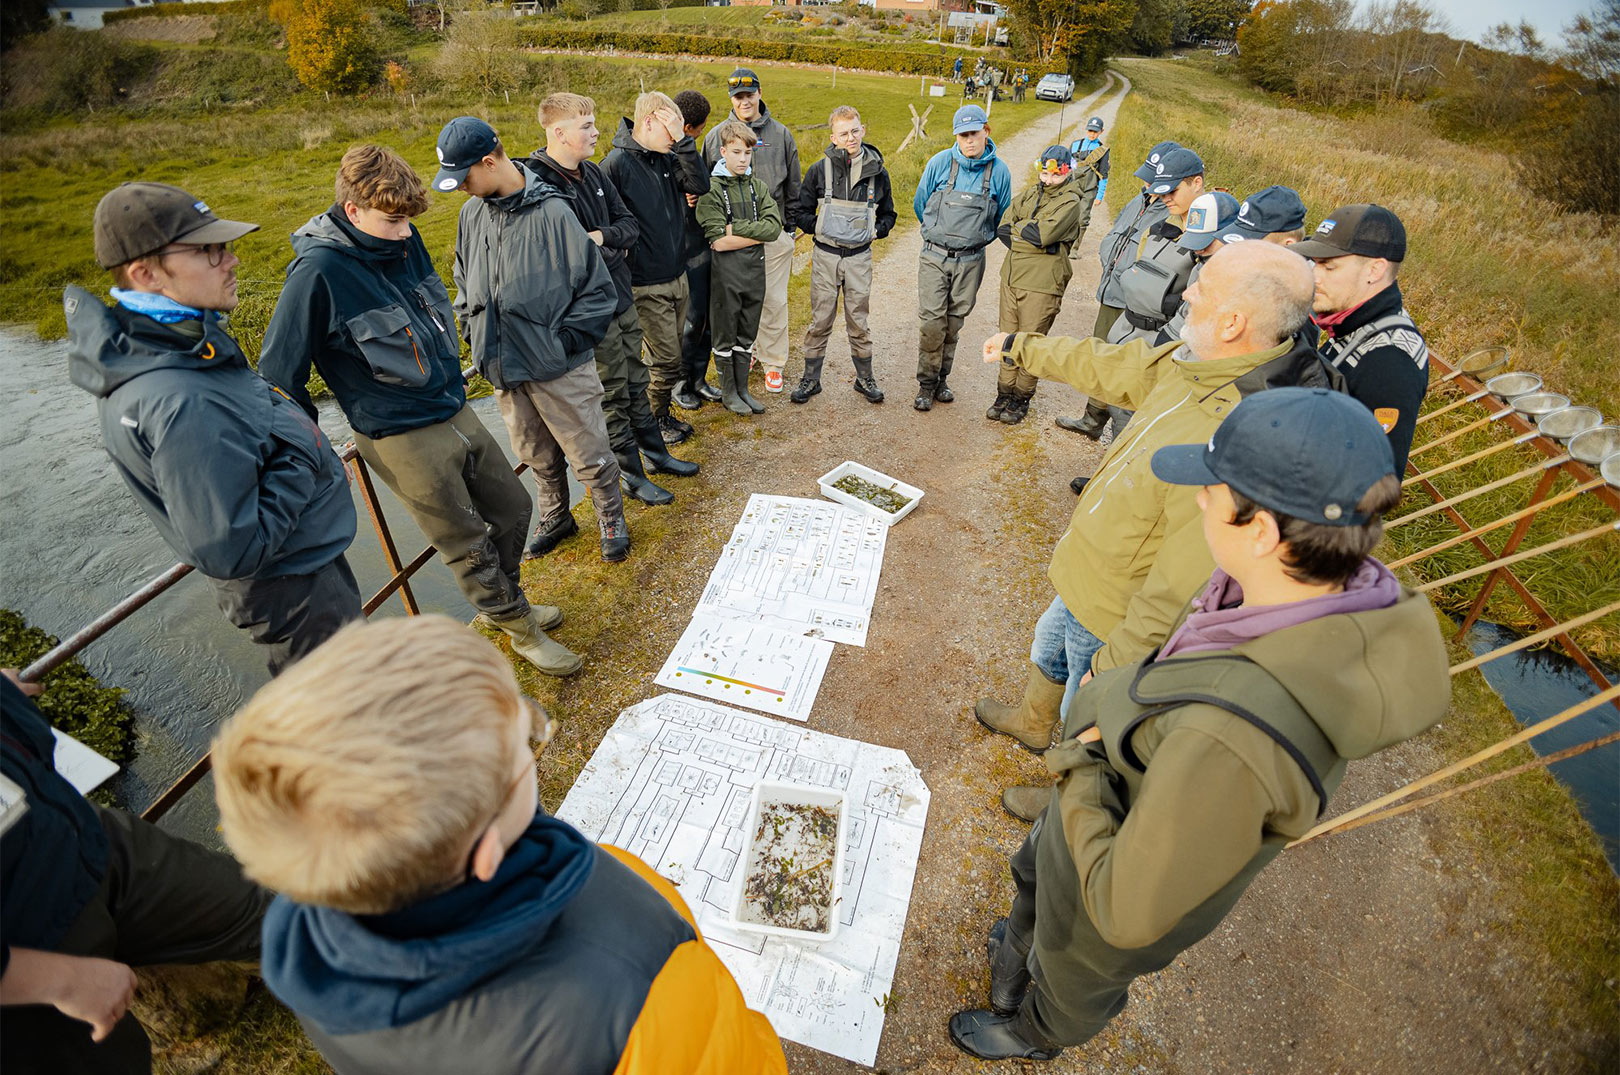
{"points": [[1400, 331], [1286, 722], [827, 189]]}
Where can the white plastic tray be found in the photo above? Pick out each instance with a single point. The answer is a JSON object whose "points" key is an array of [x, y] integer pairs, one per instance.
{"points": [[768, 792], [876, 477]]}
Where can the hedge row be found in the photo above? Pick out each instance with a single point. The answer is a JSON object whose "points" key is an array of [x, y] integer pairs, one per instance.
{"points": [[888, 60], [224, 7]]}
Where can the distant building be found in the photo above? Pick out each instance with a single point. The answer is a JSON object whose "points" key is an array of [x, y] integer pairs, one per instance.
{"points": [[86, 14]]}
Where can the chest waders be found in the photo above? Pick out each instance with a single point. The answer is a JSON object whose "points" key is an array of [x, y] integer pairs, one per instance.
{"points": [[848, 226], [736, 295], [845, 223], [957, 226]]}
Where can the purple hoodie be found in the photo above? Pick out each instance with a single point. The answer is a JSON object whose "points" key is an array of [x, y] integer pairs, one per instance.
{"points": [[1219, 619]]}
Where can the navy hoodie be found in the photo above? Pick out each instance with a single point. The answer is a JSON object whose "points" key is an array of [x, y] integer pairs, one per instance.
{"points": [[374, 318]]}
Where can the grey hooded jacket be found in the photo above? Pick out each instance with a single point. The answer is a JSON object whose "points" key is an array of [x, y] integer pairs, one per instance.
{"points": [[234, 475], [776, 158], [533, 295]]}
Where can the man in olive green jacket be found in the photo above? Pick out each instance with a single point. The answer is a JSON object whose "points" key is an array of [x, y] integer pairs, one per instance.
{"points": [[1182, 775], [1042, 223], [1134, 550]]}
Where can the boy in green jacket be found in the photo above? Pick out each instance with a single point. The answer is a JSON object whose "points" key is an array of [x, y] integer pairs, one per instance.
{"points": [[738, 217], [1182, 775], [1041, 225]]}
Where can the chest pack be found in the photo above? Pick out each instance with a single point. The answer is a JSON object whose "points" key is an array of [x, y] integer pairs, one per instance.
{"points": [[1396, 330], [843, 222], [961, 221], [1152, 285]]}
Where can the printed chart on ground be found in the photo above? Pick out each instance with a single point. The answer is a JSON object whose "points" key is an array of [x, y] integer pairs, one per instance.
{"points": [[748, 664], [672, 781], [806, 566]]}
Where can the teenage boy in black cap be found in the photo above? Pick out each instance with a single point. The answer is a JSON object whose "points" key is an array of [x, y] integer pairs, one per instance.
{"points": [[1091, 169], [568, 123], [236, 478], [776, 163], [1182, 775], [519, 247], [364, 305], [1366, 332]]}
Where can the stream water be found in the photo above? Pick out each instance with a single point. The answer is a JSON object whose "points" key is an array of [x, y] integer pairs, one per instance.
{"points": [[73, 542]]}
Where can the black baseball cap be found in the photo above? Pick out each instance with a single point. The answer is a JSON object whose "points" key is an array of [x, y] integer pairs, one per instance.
{"points": [[136, 219], [1265, 212], [742, 80], [1145, 173], [1369, 230], [463, 142], [1311, 453]]}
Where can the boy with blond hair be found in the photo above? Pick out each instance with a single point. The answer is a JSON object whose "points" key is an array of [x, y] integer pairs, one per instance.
{"points": [[432, 917], [365, 307], [846, 203], [655, 164], [739, 218]]}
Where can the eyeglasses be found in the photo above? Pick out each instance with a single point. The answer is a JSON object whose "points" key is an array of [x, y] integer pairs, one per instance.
{"points": [[215, 252], [853, 132], [541, 728]]}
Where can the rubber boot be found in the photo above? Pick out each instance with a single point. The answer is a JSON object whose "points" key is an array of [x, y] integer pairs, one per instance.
{"points": [[1016, 410], [1026, 803], [530, 641], [698, 378], [685, 396], [989, 1036], [651, 442], [1030, 721], [635, 481], [729, 396], [742, 361], [998, 408], [1009, 970]]}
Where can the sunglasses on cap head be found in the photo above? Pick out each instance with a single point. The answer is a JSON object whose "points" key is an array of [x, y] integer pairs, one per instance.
{"points": [[743, 81], [1054, 167]]}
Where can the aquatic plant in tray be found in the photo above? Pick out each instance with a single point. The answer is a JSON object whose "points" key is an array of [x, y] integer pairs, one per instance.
{"points": [[792, 864]]}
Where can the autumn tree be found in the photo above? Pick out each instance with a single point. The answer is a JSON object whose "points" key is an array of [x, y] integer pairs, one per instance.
{"points": [[1082, 33], [330, 45]]}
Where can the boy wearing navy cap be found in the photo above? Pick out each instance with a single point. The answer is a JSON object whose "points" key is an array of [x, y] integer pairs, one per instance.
{"points": [[1273, 214], [1091, 169], [1182, 775]]}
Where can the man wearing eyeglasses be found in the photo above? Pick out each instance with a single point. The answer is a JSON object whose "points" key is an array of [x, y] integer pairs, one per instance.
{"points": [[234, 475], [776, 163]]}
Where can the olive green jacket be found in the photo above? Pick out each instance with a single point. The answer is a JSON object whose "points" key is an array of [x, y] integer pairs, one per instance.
{"points": [[1134, 551], [1042, 223], [1167, 818]]}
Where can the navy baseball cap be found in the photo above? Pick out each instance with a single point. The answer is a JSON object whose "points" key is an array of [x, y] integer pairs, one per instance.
{"points": [[1208, 214], [1145, 173], [742, 80], [1368, 230], [1057, 160], [463, 142], [1174, 166], [1264, 212], [1311, 453], [1094, 123], [969, 118]]}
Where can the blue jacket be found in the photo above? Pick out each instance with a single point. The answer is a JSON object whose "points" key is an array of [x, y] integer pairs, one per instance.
{"points": [[52, 858], [1085, 145], [969, 176], [374, 318], [237, 479]]}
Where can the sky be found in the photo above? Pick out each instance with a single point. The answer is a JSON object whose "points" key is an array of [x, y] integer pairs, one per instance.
{"points": [[1471, 18]]}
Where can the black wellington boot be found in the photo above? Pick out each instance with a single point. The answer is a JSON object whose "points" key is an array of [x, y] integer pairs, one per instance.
{"points": [[988, 1036], [1009, 970], [740, 362], [657, 455], [636, 483]]}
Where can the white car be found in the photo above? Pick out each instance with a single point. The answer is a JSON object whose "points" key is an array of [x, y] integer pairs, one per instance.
{"points": [[1055, 88]]}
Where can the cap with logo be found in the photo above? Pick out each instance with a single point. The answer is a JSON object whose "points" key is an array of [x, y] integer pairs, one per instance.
{"points": [[1145, 173], [969, 118], [1057, 160], [1368, 230], [136, 219], [742, 80], [1264, 213], [1175, 165], [1094, 123], [1310, 453], [463, 142], [1208, 214]]}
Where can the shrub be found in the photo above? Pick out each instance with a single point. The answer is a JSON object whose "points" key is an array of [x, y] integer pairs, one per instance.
{"points": [[330, 47], [67, 71], [73, 700], [159, 11], [480, 54]]}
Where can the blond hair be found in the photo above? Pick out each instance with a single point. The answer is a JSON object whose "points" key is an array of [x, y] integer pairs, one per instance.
{"points": [[843, 112], [359, 778], [653, 101], [561, 106], [375, 177], [735, 130]]}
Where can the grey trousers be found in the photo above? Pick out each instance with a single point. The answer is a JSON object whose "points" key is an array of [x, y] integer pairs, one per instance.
{"points": [[947, 289], [454, 480], [662, 311], [162, 900], [292, 614], [558, 423], [829, 274], [624, 380]]}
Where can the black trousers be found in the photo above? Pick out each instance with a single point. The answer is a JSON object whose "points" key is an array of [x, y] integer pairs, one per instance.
{"points": [[695, 339], [163, 900], [291, 615]]}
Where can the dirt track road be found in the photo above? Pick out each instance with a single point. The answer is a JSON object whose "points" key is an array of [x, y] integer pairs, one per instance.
{"points": [[1350, 955]]}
